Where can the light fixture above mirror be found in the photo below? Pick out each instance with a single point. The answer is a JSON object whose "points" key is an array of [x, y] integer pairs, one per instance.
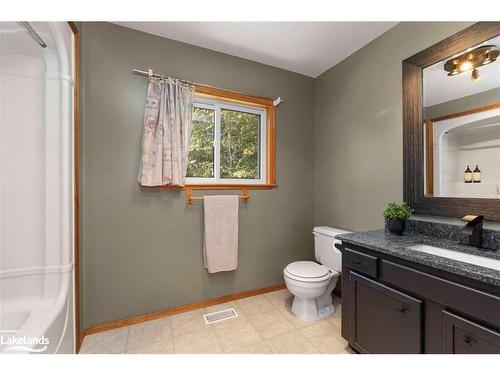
{"points": [[472, 60]]}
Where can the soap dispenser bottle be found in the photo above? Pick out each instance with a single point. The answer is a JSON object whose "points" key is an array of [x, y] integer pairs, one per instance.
{"points": [[476, 175], [468, 175]]}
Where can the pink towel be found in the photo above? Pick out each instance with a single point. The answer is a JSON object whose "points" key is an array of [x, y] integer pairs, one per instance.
{"points": [[220, 245]]}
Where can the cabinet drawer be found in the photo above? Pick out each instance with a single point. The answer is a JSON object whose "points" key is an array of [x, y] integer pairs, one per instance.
{"points": [[462, 336], [363, 263], [470, 301]]}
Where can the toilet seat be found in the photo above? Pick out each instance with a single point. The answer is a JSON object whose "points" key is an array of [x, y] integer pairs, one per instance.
{"points": [[308, 272]]}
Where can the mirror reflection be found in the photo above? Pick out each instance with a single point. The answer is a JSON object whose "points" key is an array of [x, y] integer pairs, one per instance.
{"points": [[462, 124]]}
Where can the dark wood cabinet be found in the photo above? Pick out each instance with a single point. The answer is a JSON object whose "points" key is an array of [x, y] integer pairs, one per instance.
{"points": [[383, 320], [392, 306], [462, 336]]}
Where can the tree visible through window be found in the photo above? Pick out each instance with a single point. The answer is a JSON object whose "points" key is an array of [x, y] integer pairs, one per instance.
{"points": [[201, 150], [226, 143], [239, 151]]}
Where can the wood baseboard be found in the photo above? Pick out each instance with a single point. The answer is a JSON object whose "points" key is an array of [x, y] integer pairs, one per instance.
{"points": [[174, 310]]}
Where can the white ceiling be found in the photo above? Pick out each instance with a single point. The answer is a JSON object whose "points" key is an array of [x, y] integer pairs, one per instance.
{"points": [[440, 88], [308, 48]]}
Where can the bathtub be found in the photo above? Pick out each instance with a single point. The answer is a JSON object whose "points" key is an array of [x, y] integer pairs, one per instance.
{"points": [[36, 190], [46, 316]]}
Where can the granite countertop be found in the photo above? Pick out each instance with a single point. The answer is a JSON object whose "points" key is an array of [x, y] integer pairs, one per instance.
{"points": [[397, 246]]}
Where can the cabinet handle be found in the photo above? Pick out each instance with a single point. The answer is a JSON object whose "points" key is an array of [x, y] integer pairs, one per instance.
{"points": [[467, 339], [401, 309], [356, 262]]}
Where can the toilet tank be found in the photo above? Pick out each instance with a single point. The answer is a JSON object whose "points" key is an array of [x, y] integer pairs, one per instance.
{"points": [[325, 251]]}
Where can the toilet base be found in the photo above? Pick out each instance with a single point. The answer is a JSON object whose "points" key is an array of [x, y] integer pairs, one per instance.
{"points": [[309, 311]]}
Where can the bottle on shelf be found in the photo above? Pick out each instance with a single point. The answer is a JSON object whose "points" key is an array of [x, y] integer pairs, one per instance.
{"points": [[476, 175], [468, 175]]}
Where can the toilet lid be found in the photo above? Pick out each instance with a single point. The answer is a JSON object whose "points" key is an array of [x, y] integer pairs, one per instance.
{"points": [[307, 270]]}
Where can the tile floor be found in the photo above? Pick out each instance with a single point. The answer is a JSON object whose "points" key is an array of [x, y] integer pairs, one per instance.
{"points": [[264, 325]]}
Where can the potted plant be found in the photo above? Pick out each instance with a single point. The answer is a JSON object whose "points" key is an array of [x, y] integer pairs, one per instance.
{"points": [[395, 216]]}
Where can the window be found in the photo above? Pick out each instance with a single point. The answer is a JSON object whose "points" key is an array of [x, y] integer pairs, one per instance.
{"points": [[231, 140]]}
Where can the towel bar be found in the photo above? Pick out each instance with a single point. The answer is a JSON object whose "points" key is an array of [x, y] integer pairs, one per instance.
{"points": [[190, 197]]}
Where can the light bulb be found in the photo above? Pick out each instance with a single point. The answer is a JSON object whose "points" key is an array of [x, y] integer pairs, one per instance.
{"points": [[466, 65]]}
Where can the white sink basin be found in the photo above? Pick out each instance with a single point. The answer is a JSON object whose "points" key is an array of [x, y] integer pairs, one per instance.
{"points": [[456, 255]]}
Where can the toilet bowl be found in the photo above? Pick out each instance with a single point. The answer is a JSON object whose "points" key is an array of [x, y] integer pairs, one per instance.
{"points": [[312, 283], [312, 287]]}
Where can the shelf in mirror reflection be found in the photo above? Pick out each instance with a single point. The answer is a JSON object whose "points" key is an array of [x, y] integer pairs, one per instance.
{"points": [[469, 190]]}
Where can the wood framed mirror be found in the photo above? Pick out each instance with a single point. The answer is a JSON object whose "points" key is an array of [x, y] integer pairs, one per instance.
{"points": [[447, 114]]}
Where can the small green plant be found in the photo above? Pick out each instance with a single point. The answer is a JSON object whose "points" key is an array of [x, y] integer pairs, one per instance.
{"points": [[394, 210]]}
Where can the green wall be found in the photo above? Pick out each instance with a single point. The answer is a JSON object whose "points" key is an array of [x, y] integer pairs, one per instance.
{"points": [[358, 127], [339, 160], [141, 250]]}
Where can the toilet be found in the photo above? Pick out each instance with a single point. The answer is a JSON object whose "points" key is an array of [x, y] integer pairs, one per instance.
{"points": [[312, 283]]}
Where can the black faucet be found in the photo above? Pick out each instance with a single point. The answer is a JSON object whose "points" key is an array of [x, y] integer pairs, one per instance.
{"points": [[473, 230]]}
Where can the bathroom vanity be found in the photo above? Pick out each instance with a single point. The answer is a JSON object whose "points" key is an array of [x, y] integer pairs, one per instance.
{"points": [[424, 291], [399, 296]]}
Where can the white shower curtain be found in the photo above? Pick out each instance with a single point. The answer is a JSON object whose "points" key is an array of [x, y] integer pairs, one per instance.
{"points": [[166, 132]]}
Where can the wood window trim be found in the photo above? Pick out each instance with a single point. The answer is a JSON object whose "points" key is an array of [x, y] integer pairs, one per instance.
{"points": [[429, 166], [209, 92], [429, 132]]}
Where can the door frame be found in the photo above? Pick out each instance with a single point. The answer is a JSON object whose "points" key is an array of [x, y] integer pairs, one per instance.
{"points": [[76, 185]]}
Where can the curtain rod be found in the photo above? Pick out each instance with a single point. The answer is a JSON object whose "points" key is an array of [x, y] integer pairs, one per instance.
{"points": [[151, 73]]}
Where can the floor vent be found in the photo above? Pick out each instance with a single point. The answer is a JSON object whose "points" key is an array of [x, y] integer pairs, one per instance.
{"points": [[219, 316]]}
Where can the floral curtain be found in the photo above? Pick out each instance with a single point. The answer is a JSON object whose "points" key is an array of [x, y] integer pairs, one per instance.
{"points": [[166, 132]]}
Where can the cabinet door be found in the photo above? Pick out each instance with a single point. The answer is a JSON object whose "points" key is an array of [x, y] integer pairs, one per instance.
{"points": [[462, 336], [382, 319]]}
